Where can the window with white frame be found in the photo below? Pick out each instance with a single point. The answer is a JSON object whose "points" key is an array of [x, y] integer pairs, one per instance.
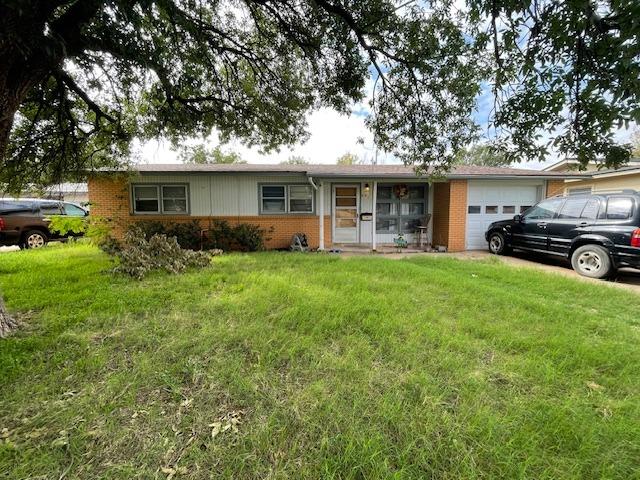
{"points": [[282, 199], [396, 214], [160, 198], [580, 191]]}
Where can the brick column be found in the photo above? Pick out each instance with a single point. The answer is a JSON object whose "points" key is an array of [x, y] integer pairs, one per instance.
{"points": [[109, 200], [554, 187], [457, 215], [440, 213]]}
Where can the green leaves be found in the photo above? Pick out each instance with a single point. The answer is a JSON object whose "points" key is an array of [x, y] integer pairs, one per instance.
{"points": [[565, 75], [567, 72]]}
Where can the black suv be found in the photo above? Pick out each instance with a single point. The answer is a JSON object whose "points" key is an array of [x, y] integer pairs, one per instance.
{"points": [[598, 232], [25, 222]]}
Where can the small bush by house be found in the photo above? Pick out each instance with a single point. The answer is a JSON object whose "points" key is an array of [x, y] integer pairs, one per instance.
{"points": [[244, 237]]}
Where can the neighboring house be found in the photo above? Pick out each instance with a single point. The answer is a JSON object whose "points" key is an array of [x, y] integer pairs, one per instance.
{"points": [[599, 180], [332, 204], [68, 192]]}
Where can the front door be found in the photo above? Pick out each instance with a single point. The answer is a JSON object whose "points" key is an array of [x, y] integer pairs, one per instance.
{"points": [[346, 209]]}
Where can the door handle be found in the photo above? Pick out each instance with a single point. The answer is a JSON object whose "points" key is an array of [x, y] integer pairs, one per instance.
{"points": [[542, 224], [583, 224]]}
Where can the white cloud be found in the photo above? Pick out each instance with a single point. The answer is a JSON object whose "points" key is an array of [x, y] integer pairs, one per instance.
{"points": [[332, 135]]}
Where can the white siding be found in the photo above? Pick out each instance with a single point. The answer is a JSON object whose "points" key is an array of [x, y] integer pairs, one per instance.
{"points": [[222, 194]]}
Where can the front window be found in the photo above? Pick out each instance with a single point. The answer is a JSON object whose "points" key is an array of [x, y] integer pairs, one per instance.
{"points": [[146, 199], [300, 199], [580, 191], [167, 199], [400, 208], [282, 199], [545, 210], [174, 199]]}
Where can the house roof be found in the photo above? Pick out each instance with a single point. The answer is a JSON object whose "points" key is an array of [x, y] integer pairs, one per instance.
{"points": [[321, 170], [626, 170], [572, 163]]}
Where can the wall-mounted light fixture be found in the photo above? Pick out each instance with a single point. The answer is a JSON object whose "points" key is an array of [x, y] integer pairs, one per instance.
{"points": [[367, 190]]}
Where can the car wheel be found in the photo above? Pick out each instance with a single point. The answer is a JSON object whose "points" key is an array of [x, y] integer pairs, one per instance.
{"points": [[35, 239], [497, 244], [591, 261]]}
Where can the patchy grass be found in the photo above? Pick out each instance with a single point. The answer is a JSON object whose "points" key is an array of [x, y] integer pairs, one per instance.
{"points": [[308, 366]]}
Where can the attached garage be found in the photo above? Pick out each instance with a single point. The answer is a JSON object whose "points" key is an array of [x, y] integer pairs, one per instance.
{"points": [[492, 200]]}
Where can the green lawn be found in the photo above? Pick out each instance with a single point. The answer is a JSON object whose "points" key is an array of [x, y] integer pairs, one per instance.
{"points": [[283, 365]]}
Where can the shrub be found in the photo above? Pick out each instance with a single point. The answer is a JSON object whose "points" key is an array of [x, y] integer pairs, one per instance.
{"points": [[250, 238], [187, 234], [139, 255], [220, 235], [68, 225], [245, 237]]}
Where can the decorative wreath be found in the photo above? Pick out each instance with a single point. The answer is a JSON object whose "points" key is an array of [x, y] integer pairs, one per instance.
{"points": [[401, 190]]}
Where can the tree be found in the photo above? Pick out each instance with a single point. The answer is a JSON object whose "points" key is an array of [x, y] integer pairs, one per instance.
{"points": [[295, 160], [7, 322], [483, 155], [79, 79], [199, 154], [570, 70], [347, 159]]}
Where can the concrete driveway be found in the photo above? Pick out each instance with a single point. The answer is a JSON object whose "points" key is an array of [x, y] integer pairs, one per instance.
{"points": [[627, 278]]}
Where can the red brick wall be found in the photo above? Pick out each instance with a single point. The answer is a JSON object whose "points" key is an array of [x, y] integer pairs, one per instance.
{"points": [[110, 200], [450, 214], [555, 187], [441, 213], [457, 215]]}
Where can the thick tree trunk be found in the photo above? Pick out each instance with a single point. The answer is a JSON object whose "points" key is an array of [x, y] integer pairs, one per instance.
{"points": [[7, 322]]}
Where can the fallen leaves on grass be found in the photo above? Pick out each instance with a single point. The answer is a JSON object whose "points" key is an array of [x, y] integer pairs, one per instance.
{"points": [[594, 386], [227, 422]]}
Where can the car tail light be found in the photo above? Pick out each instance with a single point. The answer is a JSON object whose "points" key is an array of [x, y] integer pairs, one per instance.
{"points": [[635, 238], [1, 223]]}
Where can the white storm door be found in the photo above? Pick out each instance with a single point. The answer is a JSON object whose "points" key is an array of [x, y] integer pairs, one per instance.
{"points": [[346, 210]]}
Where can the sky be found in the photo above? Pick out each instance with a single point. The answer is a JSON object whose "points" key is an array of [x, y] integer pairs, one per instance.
{"points": [[332, 135]]}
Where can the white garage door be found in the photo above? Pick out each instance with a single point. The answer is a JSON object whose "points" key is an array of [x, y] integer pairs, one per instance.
{"points": [[492, 200]]}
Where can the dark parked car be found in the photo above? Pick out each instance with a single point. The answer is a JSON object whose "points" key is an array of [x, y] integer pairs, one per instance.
{"points": [[598, 232], [25, 222]]}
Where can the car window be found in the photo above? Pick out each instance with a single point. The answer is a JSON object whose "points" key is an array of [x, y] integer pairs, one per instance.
{"points": [[590, 211], [73, 210], [619, 208], [544, 210], [9, 205], [50, 208], [572, 208]]}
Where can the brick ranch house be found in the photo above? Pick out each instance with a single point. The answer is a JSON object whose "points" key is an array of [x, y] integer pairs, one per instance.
{"points": [[332, 204]]}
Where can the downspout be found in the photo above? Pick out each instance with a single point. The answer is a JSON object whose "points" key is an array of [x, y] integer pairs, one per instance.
{"points": [[319, 188], [374, 220]]}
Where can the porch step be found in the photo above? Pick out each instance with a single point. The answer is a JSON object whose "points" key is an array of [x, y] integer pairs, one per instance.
{"points": [[380, 249]]}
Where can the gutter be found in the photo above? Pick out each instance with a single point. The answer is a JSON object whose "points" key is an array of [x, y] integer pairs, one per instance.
{"points": [[310, 180]]}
